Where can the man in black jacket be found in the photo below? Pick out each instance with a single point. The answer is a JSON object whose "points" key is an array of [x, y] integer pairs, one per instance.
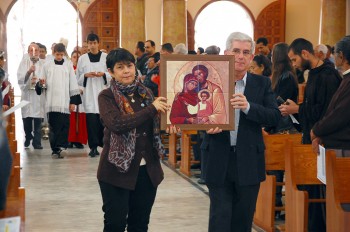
{"points": [[322, 83], [333, 131], [235, 159]]}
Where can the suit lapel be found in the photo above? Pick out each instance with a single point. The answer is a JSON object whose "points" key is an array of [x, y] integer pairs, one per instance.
{"points": [[250, 88]]}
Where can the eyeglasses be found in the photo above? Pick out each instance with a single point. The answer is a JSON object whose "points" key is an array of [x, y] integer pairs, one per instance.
{"points": [[237, 52]]}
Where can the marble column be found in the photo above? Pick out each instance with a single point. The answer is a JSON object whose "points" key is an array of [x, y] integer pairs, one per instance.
{"points": [[333, 26], [174, 26], [132, 19], [3, 35]]}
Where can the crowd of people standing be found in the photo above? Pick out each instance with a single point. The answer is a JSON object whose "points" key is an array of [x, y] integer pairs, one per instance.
{"points": [[113, 101]]}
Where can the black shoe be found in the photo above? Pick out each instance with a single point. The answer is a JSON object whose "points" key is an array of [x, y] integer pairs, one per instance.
{"points": [[201, 181], [280, 216], [27, 143], [38, 147], [70, 145], [78, 145], [92, 152], [96, 152], [196, 166], [60, 154], [198, 175]]}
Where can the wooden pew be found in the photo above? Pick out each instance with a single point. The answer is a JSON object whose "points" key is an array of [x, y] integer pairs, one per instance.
{"points": [[172, 157], [15, 199], [301, 88], [15, 202], [186, 148], [264, 216], [301, 169], [338, 192]]}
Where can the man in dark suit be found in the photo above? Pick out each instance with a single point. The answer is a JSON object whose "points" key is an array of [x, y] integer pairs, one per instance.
{"points": [[235, 159]]}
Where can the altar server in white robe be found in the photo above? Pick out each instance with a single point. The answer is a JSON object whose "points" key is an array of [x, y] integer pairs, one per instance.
{"points": [[92, 74], [58, 82], [27, 74]]}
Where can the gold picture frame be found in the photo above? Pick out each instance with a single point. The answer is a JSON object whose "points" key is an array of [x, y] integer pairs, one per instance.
{"points": [[198, 88]]}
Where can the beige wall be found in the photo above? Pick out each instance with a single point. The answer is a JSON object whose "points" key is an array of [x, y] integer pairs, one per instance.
{"points": [[302, 19], [153, 21], [255, 6], [298, 23]]}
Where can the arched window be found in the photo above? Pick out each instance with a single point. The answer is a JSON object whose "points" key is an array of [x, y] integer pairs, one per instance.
{"points": [[217, 20], [43, 21]]}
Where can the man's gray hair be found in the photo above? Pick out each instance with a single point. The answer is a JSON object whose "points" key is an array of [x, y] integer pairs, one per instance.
{"points": [[181, 49], [212, 50], [322, 48], [239, 36]]}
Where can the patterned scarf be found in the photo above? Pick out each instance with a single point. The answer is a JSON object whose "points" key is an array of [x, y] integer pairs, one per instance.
{"points": [[122, 146]]}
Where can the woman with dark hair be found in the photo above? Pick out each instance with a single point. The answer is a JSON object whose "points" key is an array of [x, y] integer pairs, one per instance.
{"points": [[261, 65], [184, 109], [129, 171], [284, 86], [283, 73]]}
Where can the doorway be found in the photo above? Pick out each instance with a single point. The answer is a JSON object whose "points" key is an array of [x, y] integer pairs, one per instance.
{"points": [[218, 20], [43, 21]]}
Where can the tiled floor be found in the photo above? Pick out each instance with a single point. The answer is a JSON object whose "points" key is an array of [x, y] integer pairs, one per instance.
{"points": [[63, 195]]}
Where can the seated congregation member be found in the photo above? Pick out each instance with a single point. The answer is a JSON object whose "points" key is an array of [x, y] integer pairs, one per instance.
{"points": [[333, 130], [235, 163], [129, 170], [62, 94]]}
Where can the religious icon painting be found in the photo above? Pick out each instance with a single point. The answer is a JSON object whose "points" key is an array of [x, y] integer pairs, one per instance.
{"points": [[199, 89]]}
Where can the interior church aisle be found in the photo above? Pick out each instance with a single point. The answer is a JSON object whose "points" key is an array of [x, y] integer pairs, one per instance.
{"points": [[63, 195]]}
